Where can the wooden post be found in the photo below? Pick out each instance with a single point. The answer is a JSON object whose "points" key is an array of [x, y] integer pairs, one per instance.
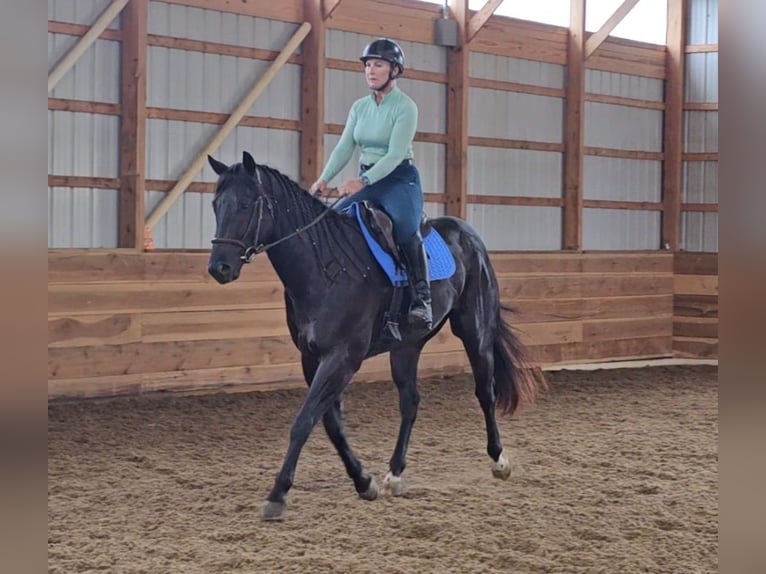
{"points": [[674, 116], [312, 94], [456, 177], [230, 124], [133, 125], [573, 129], [71, 57]]}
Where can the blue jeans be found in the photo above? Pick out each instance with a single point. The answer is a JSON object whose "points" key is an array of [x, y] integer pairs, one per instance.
{"points": [[400, 195]]}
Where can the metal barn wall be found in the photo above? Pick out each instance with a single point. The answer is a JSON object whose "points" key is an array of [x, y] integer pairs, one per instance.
{"points": [[343, 87], [622, 179], [81, 143], [699, 229], [187, 80], [515, 172]]}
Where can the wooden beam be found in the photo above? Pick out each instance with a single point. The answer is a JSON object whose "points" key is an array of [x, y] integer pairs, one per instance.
{"points": [[456, 177], [199, 161], [71, 57], [328, 7], [598, 37], [133, 125], [673, 126], [69, 29], [85, 106], [701, 48], [480, 18], [312, 93], [573, 130]]}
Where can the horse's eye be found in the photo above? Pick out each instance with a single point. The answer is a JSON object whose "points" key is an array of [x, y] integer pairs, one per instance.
{"points": [[244, 205]]}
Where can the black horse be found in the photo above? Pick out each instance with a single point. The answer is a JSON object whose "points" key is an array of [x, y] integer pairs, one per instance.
{"points": [[336, 298]]}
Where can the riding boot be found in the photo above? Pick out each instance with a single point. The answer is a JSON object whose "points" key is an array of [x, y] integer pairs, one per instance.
{"points": [[417, 271]]}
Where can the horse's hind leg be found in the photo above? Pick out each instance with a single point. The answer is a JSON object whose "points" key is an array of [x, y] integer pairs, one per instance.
{"points": [[404, 370], [473, 331], [332, 421]]}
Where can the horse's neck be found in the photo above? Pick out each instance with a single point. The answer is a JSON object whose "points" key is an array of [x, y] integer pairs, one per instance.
{"points": [[299, 261]]}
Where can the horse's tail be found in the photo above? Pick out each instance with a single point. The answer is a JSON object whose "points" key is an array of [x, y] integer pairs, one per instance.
{"points": [[518, 380]]}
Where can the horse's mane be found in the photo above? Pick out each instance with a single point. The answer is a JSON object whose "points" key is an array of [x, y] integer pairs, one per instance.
{"points": [[287, 184], [335, 230]]}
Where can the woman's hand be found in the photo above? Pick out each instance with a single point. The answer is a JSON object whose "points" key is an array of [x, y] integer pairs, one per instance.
{"points": [[319, 187], [350, 187]]}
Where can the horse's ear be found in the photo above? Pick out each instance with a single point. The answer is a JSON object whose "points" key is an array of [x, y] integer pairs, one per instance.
{"points": [[249, 163], [217, 166]]}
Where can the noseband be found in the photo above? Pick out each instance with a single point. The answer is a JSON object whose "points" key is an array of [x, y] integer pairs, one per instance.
{"points": [[248, 252]]}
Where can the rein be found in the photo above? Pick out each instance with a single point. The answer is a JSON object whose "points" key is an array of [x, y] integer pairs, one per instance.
{"points": [[251, 251]]}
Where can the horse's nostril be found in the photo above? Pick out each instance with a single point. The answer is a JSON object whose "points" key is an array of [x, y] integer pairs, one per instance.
{"points": [[220, 271]]}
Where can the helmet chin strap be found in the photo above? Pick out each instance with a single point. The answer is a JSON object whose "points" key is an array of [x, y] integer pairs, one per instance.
{"points": [[388, 81]]}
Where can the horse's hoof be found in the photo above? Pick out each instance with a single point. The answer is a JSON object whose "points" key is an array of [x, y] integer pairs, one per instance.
{"points": [[502, 467], [393, 485], [372, 491], [273, 511]]}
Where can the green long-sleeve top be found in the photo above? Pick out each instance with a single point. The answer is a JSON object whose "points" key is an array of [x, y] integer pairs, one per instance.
{"points": [[384, 132]]}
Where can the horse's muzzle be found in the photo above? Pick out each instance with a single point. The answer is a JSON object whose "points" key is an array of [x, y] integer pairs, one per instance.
{"points": [[223, 272]]}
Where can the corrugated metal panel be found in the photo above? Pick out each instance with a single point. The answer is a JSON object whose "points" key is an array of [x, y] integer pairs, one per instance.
{"points": [[699, 231], [82, 217], [83, 144], [506, 69], [623, 85], [79, 11], [430, 159], [186, 80], [172, 145], [349, 46], [431, 99], [703, 22], [700, 132], [622, 127], [701, 83], [700, 182], [512, 115], [621, 229], [621, 179], [517, 228], [222, 27], [514, 172], [343, 88], [96, 75], [189, 224]]}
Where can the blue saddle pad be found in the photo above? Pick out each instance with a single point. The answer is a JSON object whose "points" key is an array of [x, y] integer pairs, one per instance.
{"points": [[441, 263]]}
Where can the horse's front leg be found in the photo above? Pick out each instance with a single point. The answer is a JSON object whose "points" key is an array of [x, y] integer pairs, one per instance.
{"points": [[404, 370], [333, 424], [332, 375]]}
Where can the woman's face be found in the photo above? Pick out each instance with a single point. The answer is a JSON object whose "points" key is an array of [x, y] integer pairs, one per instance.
{"points": [[376, 72]]}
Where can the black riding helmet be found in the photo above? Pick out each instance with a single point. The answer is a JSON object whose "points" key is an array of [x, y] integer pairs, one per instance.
{"points": [[385, 49]]}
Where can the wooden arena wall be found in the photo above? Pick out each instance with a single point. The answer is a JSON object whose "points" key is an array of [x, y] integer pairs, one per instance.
{"points": [[695, 305], [123, 323]]}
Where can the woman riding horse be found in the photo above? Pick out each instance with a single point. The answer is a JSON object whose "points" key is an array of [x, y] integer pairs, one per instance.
{"points": [[383, 125]]}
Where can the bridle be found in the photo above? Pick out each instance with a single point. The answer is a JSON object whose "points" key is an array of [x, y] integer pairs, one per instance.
{"points": [[250, 251]]}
